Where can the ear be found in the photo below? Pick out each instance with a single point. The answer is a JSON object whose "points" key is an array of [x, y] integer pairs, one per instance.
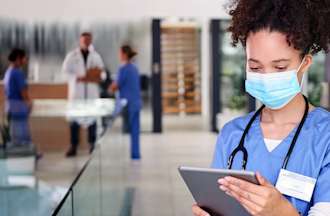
{"points": [[307, 62]]}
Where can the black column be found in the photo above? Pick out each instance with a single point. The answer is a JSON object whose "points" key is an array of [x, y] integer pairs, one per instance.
{"points": [[156, 77], [215, 72]]}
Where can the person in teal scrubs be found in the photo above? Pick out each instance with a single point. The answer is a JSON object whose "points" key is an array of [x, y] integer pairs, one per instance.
{"points": [[286, 141], [128, 84]]}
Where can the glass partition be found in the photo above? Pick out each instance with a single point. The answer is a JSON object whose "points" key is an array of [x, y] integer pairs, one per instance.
{"points": [[66, 209], [85, 185], [100, 188], [86, 192], [316, 76], [234, 98]]}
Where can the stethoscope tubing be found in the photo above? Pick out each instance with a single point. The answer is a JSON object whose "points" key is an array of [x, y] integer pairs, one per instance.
{"points": [[241, 147]]}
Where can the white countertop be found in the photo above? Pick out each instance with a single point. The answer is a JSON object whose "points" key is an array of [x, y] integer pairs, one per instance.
{"points": [[73, 109]]}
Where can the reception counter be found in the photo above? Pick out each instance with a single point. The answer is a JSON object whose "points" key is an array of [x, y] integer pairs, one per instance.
{"points": [[51, 132]]}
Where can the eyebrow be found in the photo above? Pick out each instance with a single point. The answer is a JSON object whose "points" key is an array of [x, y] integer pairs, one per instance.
{"points": [[274, 61], [281, 60]]}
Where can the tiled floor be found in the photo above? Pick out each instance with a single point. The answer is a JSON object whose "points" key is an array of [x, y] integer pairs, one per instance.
{"points": [[159, 190], [172, 122], [57, 170]]}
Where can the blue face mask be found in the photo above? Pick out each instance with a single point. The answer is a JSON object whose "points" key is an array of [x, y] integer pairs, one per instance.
{"points": [[274, 90]]}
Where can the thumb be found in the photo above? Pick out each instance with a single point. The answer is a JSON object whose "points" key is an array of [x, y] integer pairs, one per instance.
{"points": [[262, 181]]}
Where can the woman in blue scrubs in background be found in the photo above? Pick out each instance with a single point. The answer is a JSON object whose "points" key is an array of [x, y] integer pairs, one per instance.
{"points": [[128, 84], [287, 141], [18, 103]]}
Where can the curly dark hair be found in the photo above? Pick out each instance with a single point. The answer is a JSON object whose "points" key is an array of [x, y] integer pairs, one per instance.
{"points": [[306, 23]]}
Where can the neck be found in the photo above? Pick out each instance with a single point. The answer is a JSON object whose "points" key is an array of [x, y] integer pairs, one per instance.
{"points": [[291, 113], [84, 49], [125, 62], [14, 65]]}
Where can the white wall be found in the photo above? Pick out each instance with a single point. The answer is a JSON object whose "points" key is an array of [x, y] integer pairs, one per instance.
{"points": [[55, 10]]}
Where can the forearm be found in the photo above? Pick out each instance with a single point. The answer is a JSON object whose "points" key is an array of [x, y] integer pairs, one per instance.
{"points": [[114, 87], [93, 75], [87, 79], [26, 98], [287, 209], [25, 95]]}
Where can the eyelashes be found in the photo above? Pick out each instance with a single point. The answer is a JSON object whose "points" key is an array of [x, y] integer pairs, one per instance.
{"points": [[276, 68]]}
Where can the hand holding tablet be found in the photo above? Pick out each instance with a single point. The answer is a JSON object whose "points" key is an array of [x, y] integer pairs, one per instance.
{"points": [[203, 185], [234, 192]]}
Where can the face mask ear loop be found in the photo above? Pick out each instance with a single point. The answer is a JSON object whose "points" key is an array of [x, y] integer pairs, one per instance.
{"points": [[303, 76]]}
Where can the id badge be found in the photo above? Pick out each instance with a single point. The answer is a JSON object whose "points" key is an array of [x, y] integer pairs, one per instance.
{"points": [[295, 185]]}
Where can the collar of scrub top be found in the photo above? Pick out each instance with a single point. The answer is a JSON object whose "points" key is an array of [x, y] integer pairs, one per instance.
{"points": [[241, 147]]}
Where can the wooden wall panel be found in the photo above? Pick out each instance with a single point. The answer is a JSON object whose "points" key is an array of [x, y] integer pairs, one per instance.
{"points": [[181, 90]]}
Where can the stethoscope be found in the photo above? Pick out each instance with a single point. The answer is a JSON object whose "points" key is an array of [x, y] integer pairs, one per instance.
{"points": [[241, 147]]}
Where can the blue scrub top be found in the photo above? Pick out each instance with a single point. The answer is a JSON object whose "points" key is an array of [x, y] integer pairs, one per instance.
{"points": [[128, 81], [310, 157], [14, 84]]}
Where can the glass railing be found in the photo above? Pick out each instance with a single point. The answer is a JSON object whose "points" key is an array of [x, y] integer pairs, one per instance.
{"points": [[86, 185], [99, 188]]}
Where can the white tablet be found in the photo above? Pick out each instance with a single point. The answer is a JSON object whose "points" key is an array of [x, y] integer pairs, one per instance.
{"points": [[204, 187]]}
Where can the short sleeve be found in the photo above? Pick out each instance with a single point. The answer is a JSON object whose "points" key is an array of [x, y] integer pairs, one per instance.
{"points": [[20, 81], [322, 188], [121, 77], [320, 209], [219, 157]]}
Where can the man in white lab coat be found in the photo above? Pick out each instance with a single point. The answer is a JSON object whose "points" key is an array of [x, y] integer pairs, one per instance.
{"points": [[84, 70]]}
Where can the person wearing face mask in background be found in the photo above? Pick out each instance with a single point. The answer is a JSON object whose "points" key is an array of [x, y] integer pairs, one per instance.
{"points": [[286, 141], [128, 84]]}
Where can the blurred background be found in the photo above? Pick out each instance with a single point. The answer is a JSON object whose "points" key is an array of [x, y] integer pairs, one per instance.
{"points": [[192, 83]]}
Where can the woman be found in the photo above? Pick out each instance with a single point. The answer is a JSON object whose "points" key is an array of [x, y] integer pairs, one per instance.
{"points": [[128, 84], [287, 135], [18, 102]]}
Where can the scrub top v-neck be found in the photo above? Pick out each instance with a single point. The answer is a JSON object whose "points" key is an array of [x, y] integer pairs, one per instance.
{"points": [[310, 157]]}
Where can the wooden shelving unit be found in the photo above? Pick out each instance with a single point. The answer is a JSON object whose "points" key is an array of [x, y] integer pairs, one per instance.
{"points": [[181, 89]]}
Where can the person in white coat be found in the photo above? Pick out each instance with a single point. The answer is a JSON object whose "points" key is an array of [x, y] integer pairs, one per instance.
{"points": [[84, 70]]}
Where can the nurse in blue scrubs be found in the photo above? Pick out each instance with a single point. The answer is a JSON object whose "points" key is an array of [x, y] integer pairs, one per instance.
{"points": [[287, 140], [128, 84]]}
